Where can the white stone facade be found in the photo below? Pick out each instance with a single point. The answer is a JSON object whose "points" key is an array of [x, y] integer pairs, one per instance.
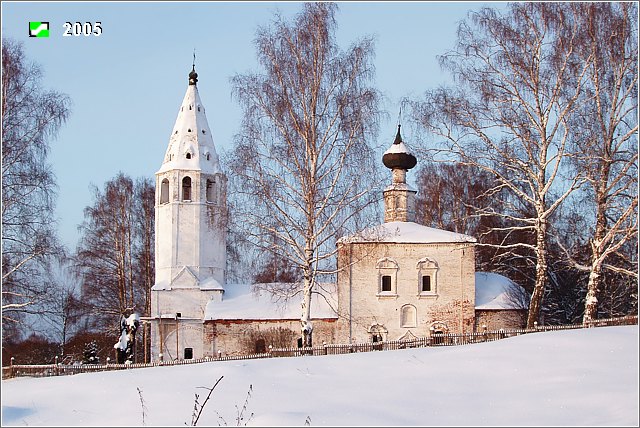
{"points": [[190, 226], [411, 305]]}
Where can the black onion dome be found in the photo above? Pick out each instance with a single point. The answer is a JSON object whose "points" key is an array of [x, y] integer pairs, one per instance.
{"points": [[193, 76], [393, 159]]}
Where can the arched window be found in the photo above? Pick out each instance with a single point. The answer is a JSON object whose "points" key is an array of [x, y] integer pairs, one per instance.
{"points": [[188, 155], [408, 316], [186, 189], [210, 191], [164, 191]]}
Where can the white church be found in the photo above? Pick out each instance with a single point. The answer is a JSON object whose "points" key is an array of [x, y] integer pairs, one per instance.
{"points": [[398, 280]]}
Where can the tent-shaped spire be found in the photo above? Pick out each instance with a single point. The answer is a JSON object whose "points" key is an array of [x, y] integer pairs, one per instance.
{"points": [[191, 144]]}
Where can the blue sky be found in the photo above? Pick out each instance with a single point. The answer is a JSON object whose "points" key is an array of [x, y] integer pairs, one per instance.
{"points": [[127, 84]]}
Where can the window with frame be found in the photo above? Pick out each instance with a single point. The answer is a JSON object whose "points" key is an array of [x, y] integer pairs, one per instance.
{"points": [[427, 276], [387, 277]]}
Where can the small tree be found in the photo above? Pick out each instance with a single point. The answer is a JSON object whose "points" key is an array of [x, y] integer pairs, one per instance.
{"points": [[90, 353]]}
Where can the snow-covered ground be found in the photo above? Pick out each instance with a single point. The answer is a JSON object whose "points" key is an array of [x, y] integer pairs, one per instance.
{"points": [[578, 377]]}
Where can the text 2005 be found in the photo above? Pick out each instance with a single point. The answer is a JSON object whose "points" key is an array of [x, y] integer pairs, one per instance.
{"points": [[82, 29]]}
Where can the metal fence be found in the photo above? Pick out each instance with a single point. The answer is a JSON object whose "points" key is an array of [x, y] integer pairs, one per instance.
{"points": [[437, 339]]}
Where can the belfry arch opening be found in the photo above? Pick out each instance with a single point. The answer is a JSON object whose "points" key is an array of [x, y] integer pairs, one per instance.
{"points": [[164, 191], [186, 189]]}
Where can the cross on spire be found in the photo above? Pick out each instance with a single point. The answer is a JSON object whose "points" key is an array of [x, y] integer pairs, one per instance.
{"points": [[193, 76]]}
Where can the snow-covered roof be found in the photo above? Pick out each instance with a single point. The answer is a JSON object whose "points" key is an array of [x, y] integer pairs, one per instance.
{"points": [[191, 141], [406, 232], [494, 291], [397, 148], [253, 302]]}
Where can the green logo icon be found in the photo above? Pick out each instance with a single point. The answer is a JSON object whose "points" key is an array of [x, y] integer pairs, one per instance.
{"points": [[38, 29]]}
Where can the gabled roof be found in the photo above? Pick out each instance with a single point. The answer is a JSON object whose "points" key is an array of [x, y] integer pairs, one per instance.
{"points": [[406, 232], [191, 141]]}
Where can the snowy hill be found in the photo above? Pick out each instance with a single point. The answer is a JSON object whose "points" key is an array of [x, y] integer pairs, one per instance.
{"points": [[575, 377]]}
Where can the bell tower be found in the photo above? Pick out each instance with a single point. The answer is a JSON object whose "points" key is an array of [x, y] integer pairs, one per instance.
{"points": [[399, 198], [191, 203], [191, 228]]}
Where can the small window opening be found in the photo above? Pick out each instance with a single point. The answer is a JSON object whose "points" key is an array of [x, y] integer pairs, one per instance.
{"points": [[204, 132], [188, 155], [386, 283], [189, 106], [189, 130], [188, 353], [426, 283], [208, 156], [198, 108]]}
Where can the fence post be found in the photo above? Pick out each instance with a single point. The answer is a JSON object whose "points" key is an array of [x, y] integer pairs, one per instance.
{"points": [[270, 349], [324, 345], [57, 368], [219, 354], [12, 359], [484, 332], [535, 325]]}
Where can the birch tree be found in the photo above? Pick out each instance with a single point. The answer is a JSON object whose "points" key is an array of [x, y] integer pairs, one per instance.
{"points": [[518, 81], [605, 131], [31, 118], [115, 251], [302, 165]]}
